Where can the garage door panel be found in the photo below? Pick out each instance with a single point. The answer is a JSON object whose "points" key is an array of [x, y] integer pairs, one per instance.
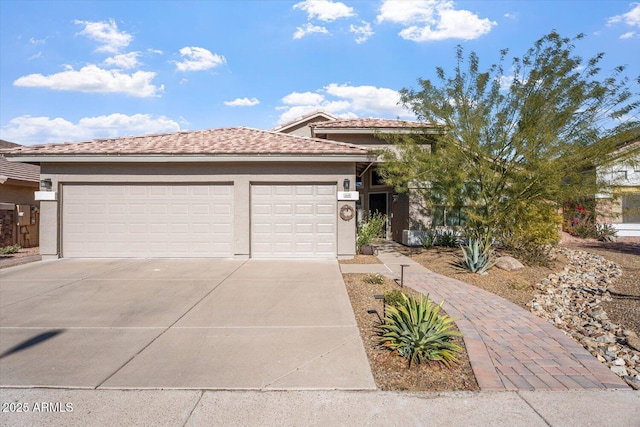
{"points": [[293, 221], [152, 220]]}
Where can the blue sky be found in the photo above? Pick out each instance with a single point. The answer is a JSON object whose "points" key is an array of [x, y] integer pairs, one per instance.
{"points": [[78, 70]]}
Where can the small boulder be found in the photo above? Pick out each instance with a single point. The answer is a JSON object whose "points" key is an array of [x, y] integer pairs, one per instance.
{"points": [[633, 341], [508, 263]]}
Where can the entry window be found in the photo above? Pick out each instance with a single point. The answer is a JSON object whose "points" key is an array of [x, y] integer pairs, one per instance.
{"points": [[376, 179]]}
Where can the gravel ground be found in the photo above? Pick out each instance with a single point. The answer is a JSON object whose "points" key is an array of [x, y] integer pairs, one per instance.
{"points": [[515, 286], [624, 311], [361, 259], [389, 370]]}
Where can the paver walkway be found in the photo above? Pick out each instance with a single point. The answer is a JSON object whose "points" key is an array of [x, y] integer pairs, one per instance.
{"points": [[509, 348]]}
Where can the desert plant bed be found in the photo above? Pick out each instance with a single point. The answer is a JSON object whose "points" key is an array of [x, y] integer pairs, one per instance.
{"points": [[391, 371]]}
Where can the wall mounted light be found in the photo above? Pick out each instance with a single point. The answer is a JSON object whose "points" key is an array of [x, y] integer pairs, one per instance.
{"points": [[346, 184], [46, 184]]}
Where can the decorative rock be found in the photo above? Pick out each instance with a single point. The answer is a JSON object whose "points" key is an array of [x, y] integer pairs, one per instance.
{"points": [[619, 370], [633, 341], [508, 263], [572, 301]]}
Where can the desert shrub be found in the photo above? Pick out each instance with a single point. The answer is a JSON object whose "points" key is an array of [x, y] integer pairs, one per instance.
{"points": [[393, 298], [529, 225], [477, 256], [374, 279], [371, 228], [606, 232], [428, 238], [533, 255], [8, 250], [446, 238], [579, 219], [530, 231], [415, 330]]}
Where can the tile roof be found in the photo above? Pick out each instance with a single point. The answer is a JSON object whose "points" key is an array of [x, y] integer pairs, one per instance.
{"points": [[368, 123], [224, 141], [14, 170]]}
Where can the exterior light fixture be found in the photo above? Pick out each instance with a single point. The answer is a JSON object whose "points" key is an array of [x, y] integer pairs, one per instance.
{"points": [[46, 184], [346, 184]]}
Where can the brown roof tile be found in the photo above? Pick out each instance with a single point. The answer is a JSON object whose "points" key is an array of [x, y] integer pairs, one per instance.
{"points": [[224, 141], [368, 123], [14, 170]]}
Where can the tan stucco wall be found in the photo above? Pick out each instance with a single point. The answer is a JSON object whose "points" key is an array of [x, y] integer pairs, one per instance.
{"points": [[241, 175], [18, 194]]}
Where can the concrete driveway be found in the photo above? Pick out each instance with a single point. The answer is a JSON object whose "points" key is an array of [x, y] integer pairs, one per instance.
{"points": [[202, 324]]}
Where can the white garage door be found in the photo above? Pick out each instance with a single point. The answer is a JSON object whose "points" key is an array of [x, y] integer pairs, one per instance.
{"points": [[293, 221], [164, 221]]}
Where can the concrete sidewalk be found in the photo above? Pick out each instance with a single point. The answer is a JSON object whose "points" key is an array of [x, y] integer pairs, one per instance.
{"points": [[509, 348], [318, 408]]}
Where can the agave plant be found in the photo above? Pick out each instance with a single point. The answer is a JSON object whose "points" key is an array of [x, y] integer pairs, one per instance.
{"points": [[416, 331], [477, 256]]}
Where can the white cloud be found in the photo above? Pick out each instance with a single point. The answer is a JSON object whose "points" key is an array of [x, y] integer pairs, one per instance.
{"points": [[198, 59], [42, 130], [92, 78], [510, 15], [242, 102], [106, 33], [506, 82], [305, 98], [36, 41], [369, 99], [324, 10], [156, 51], [344, 101], [308, 29], [628, 35], [631, 18], [123, 60], [427, 20], [362, 32], [36, 56]]}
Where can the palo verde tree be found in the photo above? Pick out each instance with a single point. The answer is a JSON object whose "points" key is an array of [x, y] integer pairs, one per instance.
{"points": [[511, 148]]}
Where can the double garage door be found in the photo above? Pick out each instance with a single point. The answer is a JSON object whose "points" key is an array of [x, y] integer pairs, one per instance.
{"points": [[178, 221]]}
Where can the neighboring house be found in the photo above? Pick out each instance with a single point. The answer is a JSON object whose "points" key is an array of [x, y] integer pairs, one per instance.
{"points": [[620, 206], [404, 211], [232, 192], [19, 212]]}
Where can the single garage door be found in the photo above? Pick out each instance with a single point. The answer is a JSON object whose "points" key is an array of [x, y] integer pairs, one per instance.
{"points": [[293, 221], [147, 220]]}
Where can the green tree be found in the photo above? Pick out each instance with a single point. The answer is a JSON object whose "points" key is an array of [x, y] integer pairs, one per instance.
{"points": [[511, 148]]}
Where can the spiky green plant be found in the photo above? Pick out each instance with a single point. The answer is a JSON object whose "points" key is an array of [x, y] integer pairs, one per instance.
{"points": [[477, 256], [447, 239], [8, 250], [416, 331]]}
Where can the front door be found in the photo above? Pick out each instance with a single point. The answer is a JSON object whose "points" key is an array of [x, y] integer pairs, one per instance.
{"points": [[378, 203]]}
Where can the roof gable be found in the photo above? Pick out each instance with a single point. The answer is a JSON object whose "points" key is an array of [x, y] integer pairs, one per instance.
{"points": [[314, 117]]}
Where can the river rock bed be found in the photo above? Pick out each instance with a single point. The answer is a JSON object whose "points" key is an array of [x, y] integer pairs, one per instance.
{"points": [[571, 300]]}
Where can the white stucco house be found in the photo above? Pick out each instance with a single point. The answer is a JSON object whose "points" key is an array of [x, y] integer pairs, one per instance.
{"points": [[620, 204]]}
